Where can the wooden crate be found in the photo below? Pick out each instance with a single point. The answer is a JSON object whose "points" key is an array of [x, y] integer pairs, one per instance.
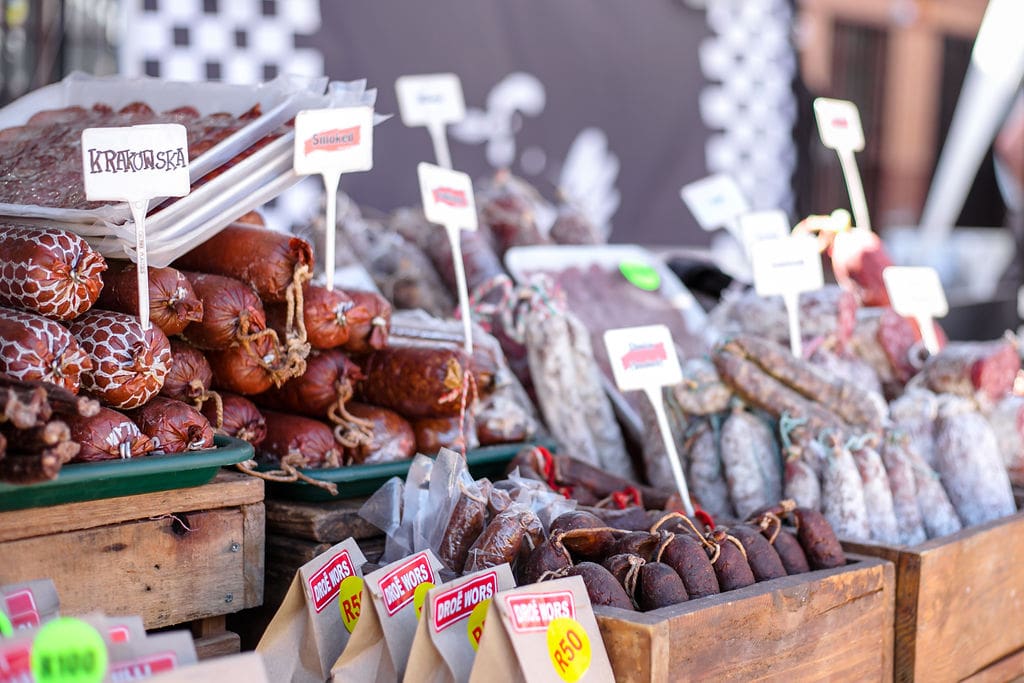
{"points": [[833, 624], [172, 557], [959, 602], [322, 522]]}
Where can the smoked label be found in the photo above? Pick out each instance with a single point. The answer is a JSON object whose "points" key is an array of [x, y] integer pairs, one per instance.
{"points": [[331, 140]]}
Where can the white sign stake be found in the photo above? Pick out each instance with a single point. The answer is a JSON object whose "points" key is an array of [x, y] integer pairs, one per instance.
{"points": [[434, 101], [448, 200], [644, 358], [786, 267], [716, 202], [917, 293], [135, 164], [840, 129], [331, 142]]}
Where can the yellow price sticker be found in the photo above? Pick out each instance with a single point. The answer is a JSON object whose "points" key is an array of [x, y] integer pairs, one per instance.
{"points": [[569, 648], [419, 596], [68, 651], [475, 625], [6, 627], [350, 601]]}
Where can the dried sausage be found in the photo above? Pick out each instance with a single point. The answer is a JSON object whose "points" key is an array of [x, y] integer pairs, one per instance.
{"points": [[602, 587], [173, 304], [416, 382], [659, 586], [173, 426], [108, 435], [369, 331], [392, 439], [238, 416], [231, 311], [299, 441], [36, 348], [190, 377]]}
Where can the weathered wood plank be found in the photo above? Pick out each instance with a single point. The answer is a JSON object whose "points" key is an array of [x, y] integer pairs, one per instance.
{"points": [[228, 489], [325, 522], [1009, 668]]}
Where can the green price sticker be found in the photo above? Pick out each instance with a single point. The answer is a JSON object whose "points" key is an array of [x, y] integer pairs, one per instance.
{"points": [[640, 275], [6, 627], [68, 651]]}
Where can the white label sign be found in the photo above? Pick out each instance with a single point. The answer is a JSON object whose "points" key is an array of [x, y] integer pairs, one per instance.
{"points": [[839, 124], [915, 291], [447, 197], [135, 162], [787, 265], [714, 201], [430, 98], [643, 357], [758, 226], [333, 140]]}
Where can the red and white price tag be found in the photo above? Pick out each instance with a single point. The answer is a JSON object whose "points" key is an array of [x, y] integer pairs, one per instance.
{"points": [[331, 142], [134, 164], [434, 101], [447, 198], [840, 129], [787, 267], [716, 202], [644, 359], [917, 292]]}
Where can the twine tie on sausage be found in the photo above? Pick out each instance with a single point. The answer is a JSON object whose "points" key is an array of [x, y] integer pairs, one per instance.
{"points": [[736, 542], [124, 449], [553, 574], [632, 575], [286, 474], [462, 393], [767, 520], [350, 431], [666, 538]]}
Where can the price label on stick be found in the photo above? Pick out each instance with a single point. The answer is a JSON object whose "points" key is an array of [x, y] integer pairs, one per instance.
{"points": [[644, 359], [716, 202], [757, 226], [786, 267], [916, 292], [134, 164], [840, 129], [448, 200], [434, 101], [331, 142]]}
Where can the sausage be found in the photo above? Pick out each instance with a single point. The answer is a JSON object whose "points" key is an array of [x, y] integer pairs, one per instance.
{"points": [[969, 369], [508, 535], [372, 334], [792, 555], [108, 435], [877, 496], [415, 382], [173, 426], [129, 363], [502, 419], [189, 377], [267, 261], [585, 542], [818, 539], [968, 460], [327, 383], [842, 495], [464, 526], [49, 272], [392, 439], [803, 463], [763, 559], [938, 515], [702, 391], [299, 441], [20, 468], [620, 566], [247, 368], [750, 461], [659, 586], [602, 587], [239, 418], [435, 433], [1007, 421], [231, 311], [902, 484], [730, 562], [633, 518], [547, 559], [642, 543], [685, 554], [173, 304], [329, 316], [35, 348], [706, 475], [915, 413]]}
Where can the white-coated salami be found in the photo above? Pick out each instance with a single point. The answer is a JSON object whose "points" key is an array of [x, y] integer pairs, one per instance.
{"points": [[747, 446], [915, 413], [706, 476], [842, 494], [903, 485], [877, 495]]}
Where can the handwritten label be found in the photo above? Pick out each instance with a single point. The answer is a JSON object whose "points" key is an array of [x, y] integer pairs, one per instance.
{"points": [[447, 197], [533, 612], [452, 606], [350, 601], [569, 649], [325, 584], [145, 667], [21, 607], [787, 265], [333, 140], [758, 226], [643, 357], [476, 623], [135, 162], [398, 587], [68, 651], [839, 124], [714, 201], [430, 99]]}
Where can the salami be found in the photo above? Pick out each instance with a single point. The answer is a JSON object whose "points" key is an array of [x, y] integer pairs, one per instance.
{"points": [[247, 368], [702, 391], [173, 304], [298, 441], [129, 363], [49, 272], [231, 312], [750, 461], [108, 435], [189, 377], [173, 426], [842, 494], [368, 331], [35, 348], [238, 417], [329, 316], [902, 483], [435, 433], [706, 475], [392, 436], [416, 382], [1007, 421], [985, 370], [878, 498], [937, 513]]}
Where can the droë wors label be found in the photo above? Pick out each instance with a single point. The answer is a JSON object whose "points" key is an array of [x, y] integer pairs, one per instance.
{"points": [[326, 582], [143, 668], [533, 612], [332, 140], [399, 586], [452, 606]]}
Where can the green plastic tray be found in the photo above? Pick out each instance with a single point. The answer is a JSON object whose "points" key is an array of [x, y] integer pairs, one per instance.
{"points": [[112, 478], [362, 480]]}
